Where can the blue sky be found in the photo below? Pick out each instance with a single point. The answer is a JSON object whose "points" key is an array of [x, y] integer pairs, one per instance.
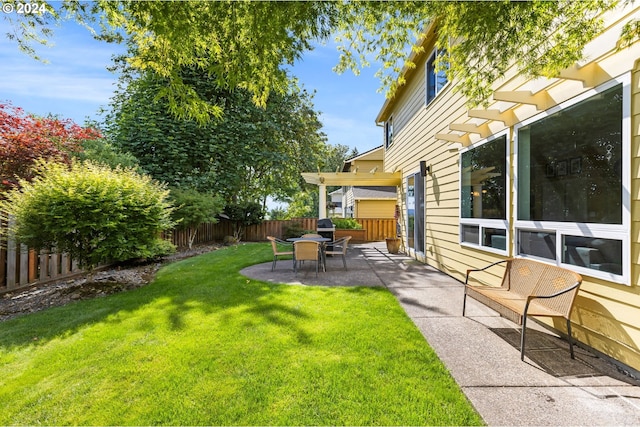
{"points": [[75, 84]]}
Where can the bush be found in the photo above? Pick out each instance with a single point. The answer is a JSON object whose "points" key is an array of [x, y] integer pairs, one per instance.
{"points": [[94, 213], [243, 214], [193, 208], [100, 151], [346, 223], [293, 229]]}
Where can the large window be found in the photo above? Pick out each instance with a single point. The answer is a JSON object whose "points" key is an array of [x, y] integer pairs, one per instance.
{"points": [[483, 195], [570, 186], [570, 163], [436, 79]]}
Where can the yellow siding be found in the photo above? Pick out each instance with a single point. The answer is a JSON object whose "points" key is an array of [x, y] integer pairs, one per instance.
{"points": [[366, 165], [375, 208], [606, 315]]}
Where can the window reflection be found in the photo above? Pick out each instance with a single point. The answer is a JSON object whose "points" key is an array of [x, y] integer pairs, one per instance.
{"points": [[436, 79], [494, 238], [484, 171], [570, 163], [595, 253], [537, 243], [471, 234]]}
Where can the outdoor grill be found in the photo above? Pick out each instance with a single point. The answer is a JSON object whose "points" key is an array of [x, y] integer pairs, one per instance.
{"points": [[326, 229]]}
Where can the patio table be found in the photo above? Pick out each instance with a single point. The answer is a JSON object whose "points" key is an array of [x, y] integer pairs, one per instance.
{"points": [[321, 240]]}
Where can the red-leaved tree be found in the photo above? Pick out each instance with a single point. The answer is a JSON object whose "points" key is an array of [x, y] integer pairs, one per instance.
{"points": [[24, 139]]}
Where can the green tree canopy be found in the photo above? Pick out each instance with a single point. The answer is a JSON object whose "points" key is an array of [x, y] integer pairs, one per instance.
{"points": [[244, 44], [248, 154], [482, 39], [241, 44]]}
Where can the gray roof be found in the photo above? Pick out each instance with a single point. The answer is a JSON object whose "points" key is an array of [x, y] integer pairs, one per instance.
{"points": [[374, 192]]}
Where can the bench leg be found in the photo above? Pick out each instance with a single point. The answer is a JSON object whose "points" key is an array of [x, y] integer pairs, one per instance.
{"points": [[570, 338], [522, 335], [524, 329], [464, 302]]}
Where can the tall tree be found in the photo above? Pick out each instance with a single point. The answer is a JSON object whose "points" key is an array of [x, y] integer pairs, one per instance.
{"points": [[239, 43], [248, 154]]}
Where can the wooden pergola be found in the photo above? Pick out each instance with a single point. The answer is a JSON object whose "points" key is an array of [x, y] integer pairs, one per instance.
{"points": [[372, 178]]}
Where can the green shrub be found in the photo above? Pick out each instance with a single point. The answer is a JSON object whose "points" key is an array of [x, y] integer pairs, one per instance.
{"points": [[100, 151], [347, 223], [243, 214], [193, 208], [293, 229], [94, 213]]}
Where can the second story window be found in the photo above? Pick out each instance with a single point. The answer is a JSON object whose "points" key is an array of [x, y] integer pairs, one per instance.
{"points": [[436, 79], [388, 132]]}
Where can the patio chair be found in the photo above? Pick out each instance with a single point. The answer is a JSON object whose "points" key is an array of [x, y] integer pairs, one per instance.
{"points": [[306, 250], [276, 245], [339, 247]]}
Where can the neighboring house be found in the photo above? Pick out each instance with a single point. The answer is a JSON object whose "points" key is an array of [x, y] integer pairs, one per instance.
{"points": [[369, 201], [550, 169], [335, 204]]}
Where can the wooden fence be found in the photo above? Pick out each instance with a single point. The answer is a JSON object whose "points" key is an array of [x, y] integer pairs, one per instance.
{"points": [[21, 266], [376, 229]]}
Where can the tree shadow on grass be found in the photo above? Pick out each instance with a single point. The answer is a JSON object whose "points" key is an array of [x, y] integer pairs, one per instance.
{"points": [[203, 283]]}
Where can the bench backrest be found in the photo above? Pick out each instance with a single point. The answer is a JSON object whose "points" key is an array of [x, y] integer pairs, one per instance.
{"points": [[528, 277]]}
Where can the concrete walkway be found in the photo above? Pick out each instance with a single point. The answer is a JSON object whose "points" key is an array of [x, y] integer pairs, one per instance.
{"points": [[482, 350]]}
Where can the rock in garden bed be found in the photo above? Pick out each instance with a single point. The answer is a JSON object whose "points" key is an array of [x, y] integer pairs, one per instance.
{"points": [[106, 282]]}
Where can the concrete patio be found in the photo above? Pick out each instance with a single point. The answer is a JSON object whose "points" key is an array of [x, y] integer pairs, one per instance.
{"points": [[482, 350]]}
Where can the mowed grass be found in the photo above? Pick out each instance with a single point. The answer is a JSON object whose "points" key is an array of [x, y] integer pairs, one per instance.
{"points": [[203, 345]]}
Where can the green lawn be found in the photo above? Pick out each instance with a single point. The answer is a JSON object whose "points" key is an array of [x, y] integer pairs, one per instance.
{"points": [[203, 345]]}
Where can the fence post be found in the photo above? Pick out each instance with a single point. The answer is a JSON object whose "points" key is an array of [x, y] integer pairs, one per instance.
{"points": [[44, 264], [24, 265], [11, 256]]}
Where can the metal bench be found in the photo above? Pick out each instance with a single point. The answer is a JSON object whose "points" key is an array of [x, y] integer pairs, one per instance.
{"points": [[529, 288]]}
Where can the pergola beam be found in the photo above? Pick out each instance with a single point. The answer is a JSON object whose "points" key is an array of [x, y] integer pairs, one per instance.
{"points": [[372, 178], [591, 75], [542, 100], [507, 117], [360, 179], [461, 139], [482, 129]]}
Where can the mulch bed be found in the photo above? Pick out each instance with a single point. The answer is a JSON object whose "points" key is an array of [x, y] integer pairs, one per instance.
{"points": [[109, 281]]}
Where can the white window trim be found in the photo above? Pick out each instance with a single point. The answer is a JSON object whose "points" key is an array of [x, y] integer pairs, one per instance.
{"points": [[605, 231], [427, 102], [481, 222]]}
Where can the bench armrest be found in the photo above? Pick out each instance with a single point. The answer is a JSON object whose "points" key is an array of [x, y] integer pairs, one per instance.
{"points": [[555, 294], [466, 280]]}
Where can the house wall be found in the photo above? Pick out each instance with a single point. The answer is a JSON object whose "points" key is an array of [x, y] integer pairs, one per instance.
{"points": [[375, 208], [368, 162], [366, 165], [606, 316], [348, 202]]}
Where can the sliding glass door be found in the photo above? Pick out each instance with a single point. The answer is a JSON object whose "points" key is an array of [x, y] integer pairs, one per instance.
{"points": [[415, 213]]}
